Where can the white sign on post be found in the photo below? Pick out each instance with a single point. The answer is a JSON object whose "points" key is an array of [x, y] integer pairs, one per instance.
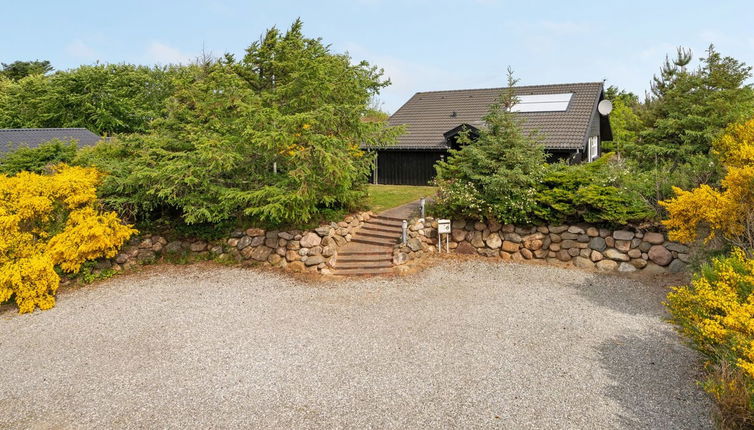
{"points": [[443, 227]]}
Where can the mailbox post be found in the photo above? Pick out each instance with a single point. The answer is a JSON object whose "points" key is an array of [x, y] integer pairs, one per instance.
{"points": [[443, 227]]}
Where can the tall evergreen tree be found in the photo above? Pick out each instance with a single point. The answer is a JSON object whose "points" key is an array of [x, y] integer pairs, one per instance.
{"points": [[688, 109], [275, 136], [496, 174]]}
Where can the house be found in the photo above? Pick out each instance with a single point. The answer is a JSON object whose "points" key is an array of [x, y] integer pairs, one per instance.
{"points": [[565, 116], [13, 138]]}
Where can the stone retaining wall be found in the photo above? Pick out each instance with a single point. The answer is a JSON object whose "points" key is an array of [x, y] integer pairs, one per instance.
{"points": [[585, 246], [303, 251]]}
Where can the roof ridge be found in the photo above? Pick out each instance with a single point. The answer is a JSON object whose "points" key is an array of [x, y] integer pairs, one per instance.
{"points": [[505, 88]]}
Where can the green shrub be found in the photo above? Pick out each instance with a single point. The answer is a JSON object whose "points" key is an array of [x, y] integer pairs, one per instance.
{"points": [[654, 183], [597, 192], [459, 199], [593, 192], [89, 273], [36, 159]]}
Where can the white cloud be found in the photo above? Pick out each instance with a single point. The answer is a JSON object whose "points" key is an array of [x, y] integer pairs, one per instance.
{"points": [[161, 53], [79, 49]]}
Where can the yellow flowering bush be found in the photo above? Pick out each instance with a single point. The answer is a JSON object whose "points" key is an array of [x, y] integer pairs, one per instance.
{"points": [[49, 221], [727, 212], [716, 312], [736, 146]]}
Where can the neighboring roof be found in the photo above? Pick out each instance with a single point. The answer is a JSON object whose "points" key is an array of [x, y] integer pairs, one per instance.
{"points": [[427, 115], [12, 138]]}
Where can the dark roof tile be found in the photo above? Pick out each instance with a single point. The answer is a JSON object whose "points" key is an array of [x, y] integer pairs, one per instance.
{"points": [[427, 115]]}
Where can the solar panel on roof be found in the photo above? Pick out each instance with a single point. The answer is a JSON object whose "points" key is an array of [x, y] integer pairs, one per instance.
{"points": [[542, 103]]}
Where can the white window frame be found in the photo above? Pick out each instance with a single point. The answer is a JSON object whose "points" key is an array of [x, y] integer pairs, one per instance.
{"points": [[593, 148]]}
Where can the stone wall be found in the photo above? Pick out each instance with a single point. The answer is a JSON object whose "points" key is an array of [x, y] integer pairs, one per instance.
{"points": [[303, 251], [585, 246]]}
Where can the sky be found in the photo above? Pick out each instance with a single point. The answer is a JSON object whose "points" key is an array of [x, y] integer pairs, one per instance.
{"points": [[422, 45]]}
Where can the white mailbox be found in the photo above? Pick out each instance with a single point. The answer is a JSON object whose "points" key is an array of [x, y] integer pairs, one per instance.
{"points": [[443, 227]]}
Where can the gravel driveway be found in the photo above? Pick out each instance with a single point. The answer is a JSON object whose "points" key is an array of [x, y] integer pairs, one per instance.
{"points": [[468, 344]]}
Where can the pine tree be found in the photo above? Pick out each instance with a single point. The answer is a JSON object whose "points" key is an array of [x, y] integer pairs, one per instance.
{"points": [[687, 109]]}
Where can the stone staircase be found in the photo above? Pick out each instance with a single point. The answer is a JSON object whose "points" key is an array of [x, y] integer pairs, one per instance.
{"points": [[370, 252]]}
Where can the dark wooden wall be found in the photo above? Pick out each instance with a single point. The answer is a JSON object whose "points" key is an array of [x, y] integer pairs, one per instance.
{"points": [[395, 167], [406, 167]]}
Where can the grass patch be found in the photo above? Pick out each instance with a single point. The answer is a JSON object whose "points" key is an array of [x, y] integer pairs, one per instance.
{"points": [[383, 197]]}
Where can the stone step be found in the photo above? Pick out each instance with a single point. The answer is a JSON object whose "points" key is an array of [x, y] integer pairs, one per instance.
{"points": [[370, 252], [366, 259], [375, 241], [387, 218], [380, 228], [377, 235], [363, 272], [367, 251], [367, 256], [383, 253], [385, 223], [391, 228], [363, 265]]}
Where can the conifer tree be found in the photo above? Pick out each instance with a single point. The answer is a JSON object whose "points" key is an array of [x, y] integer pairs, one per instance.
{"points": [[275, 136], [494, 175], [688, 109]]}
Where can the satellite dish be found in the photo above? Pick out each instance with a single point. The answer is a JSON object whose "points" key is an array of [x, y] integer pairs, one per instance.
{"points": [[605, 107]]}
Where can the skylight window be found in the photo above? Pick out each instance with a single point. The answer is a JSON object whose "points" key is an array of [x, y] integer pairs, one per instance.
{"points": [[542, 103]]}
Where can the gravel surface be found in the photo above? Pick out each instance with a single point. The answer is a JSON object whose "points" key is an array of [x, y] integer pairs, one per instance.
{"points": [[469, 344]]}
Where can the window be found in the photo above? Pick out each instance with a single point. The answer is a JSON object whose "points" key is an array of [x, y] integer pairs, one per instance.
{"points": [[594, 148], [542, 103]]}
